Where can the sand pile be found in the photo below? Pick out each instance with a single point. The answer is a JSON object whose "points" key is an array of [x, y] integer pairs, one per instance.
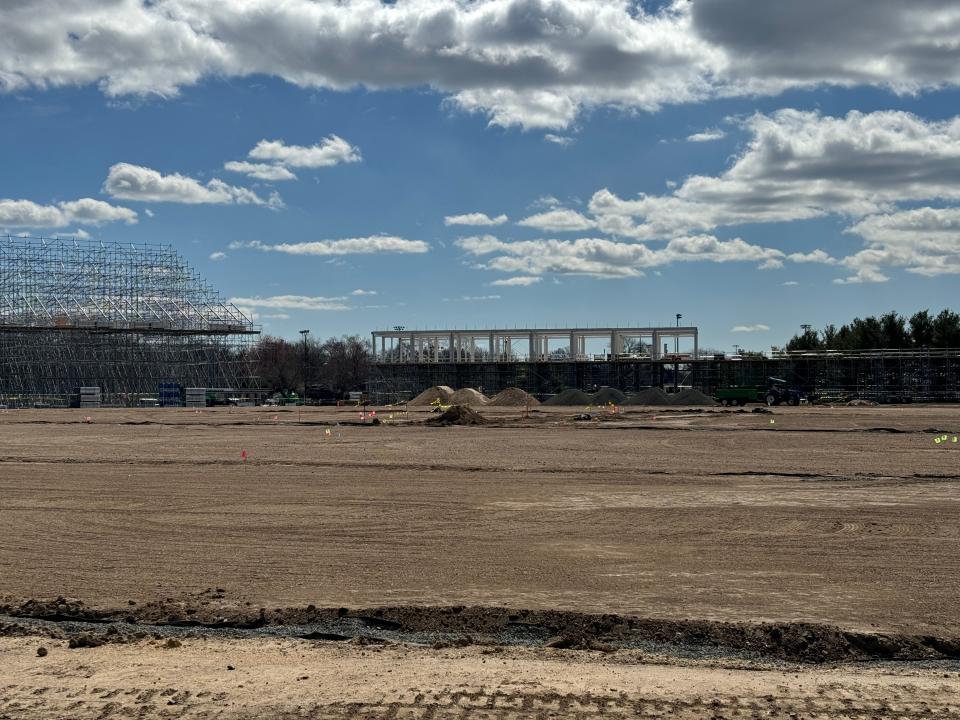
{"points": [[570, 397], [458, 415], [650, 396], [607, 395], [443, 393], [468, 396], [513, 397], [691, 396]]}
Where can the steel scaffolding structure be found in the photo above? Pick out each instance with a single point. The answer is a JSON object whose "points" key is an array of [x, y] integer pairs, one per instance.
{"points": [[121, 317], [879, 375]]}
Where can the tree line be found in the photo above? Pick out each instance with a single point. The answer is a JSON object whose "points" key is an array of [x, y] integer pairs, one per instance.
{"points": [[889, 331], [325, 368]]}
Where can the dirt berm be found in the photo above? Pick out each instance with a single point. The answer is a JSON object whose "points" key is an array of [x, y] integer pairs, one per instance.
{"points": [[458, 415], [789, 641]]}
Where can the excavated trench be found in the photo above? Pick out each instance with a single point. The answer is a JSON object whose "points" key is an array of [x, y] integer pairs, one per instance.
{"points": [[203, 615]]}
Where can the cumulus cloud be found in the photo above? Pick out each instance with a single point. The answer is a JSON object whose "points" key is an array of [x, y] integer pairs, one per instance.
{"points": [[790, 283], [332, 150], [218, 255], [707, 136], [801, 165], [558, 220], [135, 182], [345, 246], [86, 211], [535, 63], [476, 219], [924, 241], [518, 281], [360, 292], [260, 171], [601, 257], [291, 302], [749, 328]]}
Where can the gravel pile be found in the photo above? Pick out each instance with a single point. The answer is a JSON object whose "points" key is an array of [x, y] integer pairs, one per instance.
{"points": [[443, 393], [513, 397], [650, 396], [468, 396], [570, 397], [608, 395]]}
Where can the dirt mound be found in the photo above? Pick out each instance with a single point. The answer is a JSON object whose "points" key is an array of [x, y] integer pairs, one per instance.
{"points": [[443, 393], [607, 395], [458, 415], [691, 396], [650, 396], [570, 397], [861, 403], [468, 396], [513, 397]]}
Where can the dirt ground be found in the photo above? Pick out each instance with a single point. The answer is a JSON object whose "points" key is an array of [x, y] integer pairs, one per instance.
{"points": [[841, 516], [284, 679]]}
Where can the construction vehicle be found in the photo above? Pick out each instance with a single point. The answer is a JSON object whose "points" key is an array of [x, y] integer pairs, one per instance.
{"points": [[776, 392]]}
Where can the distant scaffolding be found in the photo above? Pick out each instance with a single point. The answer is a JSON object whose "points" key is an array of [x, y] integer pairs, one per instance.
{"points": [[120, 317]]}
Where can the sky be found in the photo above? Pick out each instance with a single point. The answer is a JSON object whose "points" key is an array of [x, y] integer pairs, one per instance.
{"points": [[350, 166]]}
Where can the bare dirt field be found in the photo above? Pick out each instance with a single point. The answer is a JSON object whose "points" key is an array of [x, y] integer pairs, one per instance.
{"points": [[833, 520]]}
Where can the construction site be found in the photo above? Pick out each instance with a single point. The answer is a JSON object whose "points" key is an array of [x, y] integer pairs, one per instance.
{"points": [[631, 360], [91, 323], [520, 524]]}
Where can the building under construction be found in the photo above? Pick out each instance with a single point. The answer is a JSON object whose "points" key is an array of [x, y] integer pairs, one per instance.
{"points": [[407, 362], [129, 320]]}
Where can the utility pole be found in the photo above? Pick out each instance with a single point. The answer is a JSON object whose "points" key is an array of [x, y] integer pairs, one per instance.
{"points": [[304, 369], [676, 340]]}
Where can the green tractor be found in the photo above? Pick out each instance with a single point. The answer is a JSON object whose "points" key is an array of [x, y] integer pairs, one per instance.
{"points": [[777, 392]]}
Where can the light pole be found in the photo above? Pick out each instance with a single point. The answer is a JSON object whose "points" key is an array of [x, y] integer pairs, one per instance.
{"points": [[399, 329], [304, 333], [676, 340]]}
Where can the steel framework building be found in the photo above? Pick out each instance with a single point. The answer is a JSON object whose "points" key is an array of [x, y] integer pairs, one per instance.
{"points": [[408, 362], [121, 317]]}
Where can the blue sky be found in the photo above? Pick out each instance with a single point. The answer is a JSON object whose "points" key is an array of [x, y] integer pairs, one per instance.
{"points": [[750, 198]]}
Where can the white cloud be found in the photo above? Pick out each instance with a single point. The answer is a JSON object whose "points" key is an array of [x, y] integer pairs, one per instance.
{"points": [[749, 328], [802, 165], [790, 283], [518, 281], [135, 182], [345, 246], [601, 257], [81, 234], [260, 171], [707, 136], [561, 140], [332, 150], [218, 255], [473, 298], [814, 256], [477, 219], [275, 316], [291, 302], [924, 241], [535, 63], [86, 211], [359, 292], [558, 220], [148, 212]]}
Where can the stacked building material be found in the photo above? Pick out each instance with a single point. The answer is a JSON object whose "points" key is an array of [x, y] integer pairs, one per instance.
{"points": [[88, 397], [195, 397], [170, 394]]}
